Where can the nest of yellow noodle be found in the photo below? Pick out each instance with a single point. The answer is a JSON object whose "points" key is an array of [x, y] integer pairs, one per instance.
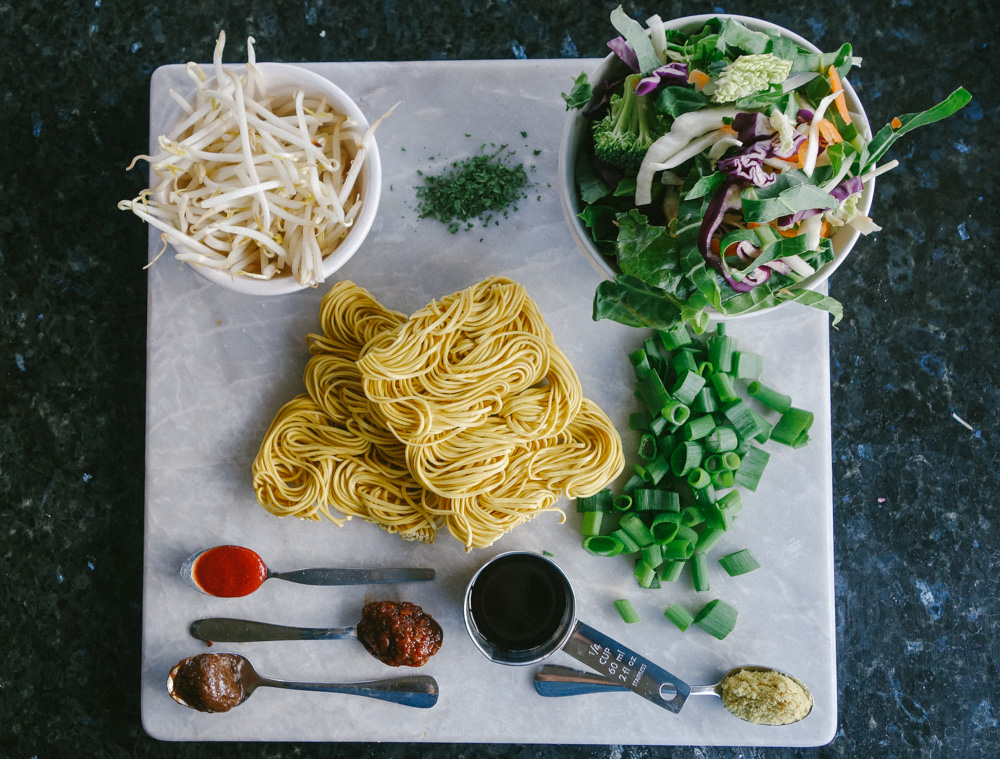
{"points": [[466, 415]]}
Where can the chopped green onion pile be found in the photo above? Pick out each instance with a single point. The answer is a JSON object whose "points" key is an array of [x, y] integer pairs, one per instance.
{"points": [[701, 431]]}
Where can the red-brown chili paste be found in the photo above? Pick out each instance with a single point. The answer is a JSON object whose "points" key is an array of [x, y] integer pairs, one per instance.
{"points": [[399, 633]]}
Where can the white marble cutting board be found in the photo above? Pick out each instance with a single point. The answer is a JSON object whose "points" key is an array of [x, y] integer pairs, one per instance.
{"points": [[220, 364]]}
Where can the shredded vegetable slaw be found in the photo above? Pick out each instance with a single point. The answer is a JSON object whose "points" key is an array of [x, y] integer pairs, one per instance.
{"points": [[719, 165], [254, 184]]}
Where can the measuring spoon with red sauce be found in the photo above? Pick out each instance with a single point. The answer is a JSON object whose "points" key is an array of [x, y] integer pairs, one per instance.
{"points": [[233, 571]]}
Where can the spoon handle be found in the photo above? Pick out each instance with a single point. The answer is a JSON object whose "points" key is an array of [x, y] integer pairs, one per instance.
{"points": [[554, 681], [219, 629], [331, 576], [420, 691]]}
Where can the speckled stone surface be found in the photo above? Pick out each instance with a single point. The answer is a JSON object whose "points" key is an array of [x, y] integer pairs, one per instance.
{"points": [[914, 364]]}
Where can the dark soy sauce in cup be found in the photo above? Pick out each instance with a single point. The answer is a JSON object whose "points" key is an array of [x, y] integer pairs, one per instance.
{"points": [[519, 602]]}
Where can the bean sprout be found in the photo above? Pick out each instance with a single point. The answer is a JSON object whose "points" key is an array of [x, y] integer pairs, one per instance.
{"points": [[255, 185]]}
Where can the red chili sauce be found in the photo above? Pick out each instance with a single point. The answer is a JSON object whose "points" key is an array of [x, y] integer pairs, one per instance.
{"points": [[399, 634], [229, 571]]}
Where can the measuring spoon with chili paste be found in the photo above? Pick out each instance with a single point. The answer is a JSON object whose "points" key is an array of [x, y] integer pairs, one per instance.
{"points": [[232, 571], [397, 633]]}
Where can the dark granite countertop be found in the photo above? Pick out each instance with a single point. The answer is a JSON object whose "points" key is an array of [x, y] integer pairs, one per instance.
{"points": [[915, 370]]}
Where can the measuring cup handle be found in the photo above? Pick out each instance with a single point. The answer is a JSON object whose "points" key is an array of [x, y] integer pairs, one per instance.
{"points": [[626, 667]]}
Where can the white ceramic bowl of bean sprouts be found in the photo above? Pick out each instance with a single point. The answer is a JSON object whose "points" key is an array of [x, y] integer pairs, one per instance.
{"points": [[268, 183]]}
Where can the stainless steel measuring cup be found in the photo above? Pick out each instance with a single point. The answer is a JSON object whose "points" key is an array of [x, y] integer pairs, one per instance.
{"points": [[520, 608]]}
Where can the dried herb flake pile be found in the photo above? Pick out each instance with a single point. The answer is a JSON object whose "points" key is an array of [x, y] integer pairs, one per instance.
{"points": [[473, 188]]}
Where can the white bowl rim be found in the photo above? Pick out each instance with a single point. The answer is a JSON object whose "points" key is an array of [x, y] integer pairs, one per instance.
{"points": [[285, 76], [844, 240]]}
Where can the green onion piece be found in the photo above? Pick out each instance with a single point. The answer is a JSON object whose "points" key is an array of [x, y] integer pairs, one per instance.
{"points": [[724, 478], [752, 467], [686, 533], [801, 441], [675, 412], [674, 338], [678, 549], [769, 397], [659, 425], [654, 499], [742, 417], [724, 387], [699, 571], [731, 502], [643, 573], [684, 361], [731, 460], [698, 427], [739, 562], [704, 495], [680, 616], [698, 478], [652, 555], [650, 388], [705, 369], [622, 502], [640, 470], [627, 611], [691, 516], [716, 517], [640, 363], [707, 539], [636, 529], [723, 438], [600, 501], [592, 523], [706, 401], [658, 468], [655, 582], [628, 542], [654, 349], [686, 457], [672, 570], [633, 482], [748, 365], [665, 444], [717, 618], [664, 527], [720, 352], [764, 426], [647, 446], [688, 385], [603, 545], [639, 420], [712, 463], [793, 423]]}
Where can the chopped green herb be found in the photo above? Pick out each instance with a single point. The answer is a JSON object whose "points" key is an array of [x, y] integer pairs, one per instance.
{"points": [[471, 188]]}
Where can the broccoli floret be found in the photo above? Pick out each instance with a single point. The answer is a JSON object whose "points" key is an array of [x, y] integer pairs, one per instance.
{"points": [[632, 124]]}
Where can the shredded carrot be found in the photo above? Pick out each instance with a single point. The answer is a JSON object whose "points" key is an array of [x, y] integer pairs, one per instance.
{"points": [[826, 229], [699, 79], [800, 155], [841, 100], [714, 245], [828, 132], [789, 232], [896, 123]]}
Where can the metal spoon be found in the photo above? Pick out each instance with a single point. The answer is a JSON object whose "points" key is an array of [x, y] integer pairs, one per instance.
{"points": [[320, 576], [225, 630], [420, 691], [553, 681]]}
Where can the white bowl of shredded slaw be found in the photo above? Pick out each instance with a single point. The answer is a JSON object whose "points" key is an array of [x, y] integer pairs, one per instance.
{"points": [[278, 198], [577, 126]]}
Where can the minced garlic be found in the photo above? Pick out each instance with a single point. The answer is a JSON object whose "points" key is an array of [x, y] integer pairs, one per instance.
{"points": [[765, 697]]}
